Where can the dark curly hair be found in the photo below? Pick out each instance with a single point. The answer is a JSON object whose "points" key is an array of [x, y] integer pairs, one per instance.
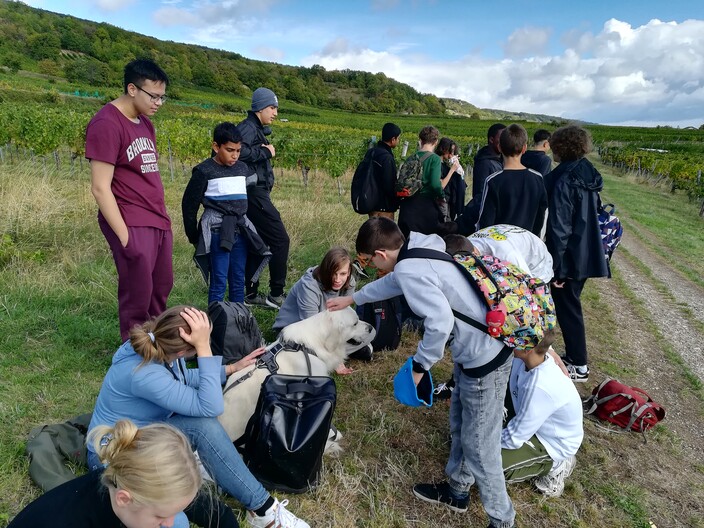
{"points": [[570, 143]]}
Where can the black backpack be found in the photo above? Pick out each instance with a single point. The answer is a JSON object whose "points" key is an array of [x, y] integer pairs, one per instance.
{"points": [[385, 317], [364, 191], [235, 331], [286, 436]]}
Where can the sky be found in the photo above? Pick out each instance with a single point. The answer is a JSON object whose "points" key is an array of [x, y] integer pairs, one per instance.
{"points": [[604, 61]]}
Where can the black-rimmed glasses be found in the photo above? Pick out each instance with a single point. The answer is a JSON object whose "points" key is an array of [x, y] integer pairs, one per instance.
{"points": [[152, 97]]}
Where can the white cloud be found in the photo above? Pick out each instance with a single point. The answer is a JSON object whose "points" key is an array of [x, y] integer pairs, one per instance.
{"points": [[207, 13], [269, 53], [652, 73], [113, 5], [527, 41]]}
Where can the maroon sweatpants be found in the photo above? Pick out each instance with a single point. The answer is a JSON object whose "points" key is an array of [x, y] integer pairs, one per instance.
{"points": [[144, 273]]}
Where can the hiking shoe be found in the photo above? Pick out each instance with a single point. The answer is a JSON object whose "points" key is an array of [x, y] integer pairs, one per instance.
{"points": [[363, 354], [275, 302], [553, 484], [258, 300], [577, 374], [358, 269], [440, 494], [443, 391], [276, 517]]}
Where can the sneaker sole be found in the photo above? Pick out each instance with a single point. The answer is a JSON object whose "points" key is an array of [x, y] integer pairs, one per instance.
{"points": [[455, 509], [579, 380], [264, 306], [272, 305]]}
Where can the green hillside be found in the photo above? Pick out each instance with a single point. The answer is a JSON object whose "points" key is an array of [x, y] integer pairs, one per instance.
{"points": [[93, 54]]}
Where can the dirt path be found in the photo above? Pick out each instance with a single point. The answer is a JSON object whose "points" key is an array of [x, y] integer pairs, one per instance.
{"points": [[668, 466], [675, 325]]}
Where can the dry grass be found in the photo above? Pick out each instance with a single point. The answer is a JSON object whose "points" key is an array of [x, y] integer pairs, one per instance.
{"points": [[58, 329]]}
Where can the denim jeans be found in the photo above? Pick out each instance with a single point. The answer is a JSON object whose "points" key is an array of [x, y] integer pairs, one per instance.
{"points": [[221, 459], [476, 412], [227, 268]]}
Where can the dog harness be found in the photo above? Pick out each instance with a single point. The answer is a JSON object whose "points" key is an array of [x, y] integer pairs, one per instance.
{"points": [[268, 360]]}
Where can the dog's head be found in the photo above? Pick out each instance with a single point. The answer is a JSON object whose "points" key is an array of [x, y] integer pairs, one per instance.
{"points": [[331, 335]]}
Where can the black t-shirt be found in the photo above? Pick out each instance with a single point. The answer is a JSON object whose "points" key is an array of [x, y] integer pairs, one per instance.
{"points": [[79, 503]]}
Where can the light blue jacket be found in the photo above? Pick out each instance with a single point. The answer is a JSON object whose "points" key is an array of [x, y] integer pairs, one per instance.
{"points": [[151, 393]]}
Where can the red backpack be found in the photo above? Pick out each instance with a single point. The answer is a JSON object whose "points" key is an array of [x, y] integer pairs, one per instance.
{"points": [[625, 406]]}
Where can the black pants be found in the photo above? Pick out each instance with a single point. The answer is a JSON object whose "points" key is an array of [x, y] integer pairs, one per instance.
{"points": [[267, 220], [208, 511], [419, 213], [568, 308]]}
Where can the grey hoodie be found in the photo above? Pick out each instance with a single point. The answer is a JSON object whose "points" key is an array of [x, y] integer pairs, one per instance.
{"points": [[305, 299], [434, 288]]}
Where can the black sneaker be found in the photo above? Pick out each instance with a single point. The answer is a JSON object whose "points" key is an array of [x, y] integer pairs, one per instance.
{"points": [[275, 302], [578, 374], [259, 300], [440, 494], [444, 390]]}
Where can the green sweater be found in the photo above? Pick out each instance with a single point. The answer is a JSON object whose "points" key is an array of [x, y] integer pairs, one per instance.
{"points": [[432, 186]]}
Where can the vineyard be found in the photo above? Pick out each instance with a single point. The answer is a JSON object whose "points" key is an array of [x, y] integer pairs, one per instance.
{"points": [[41, 121]]}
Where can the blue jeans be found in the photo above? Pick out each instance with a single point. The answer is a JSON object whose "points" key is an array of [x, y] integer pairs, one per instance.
{"points": [[227, 268], [221, 459], [476, 412]]}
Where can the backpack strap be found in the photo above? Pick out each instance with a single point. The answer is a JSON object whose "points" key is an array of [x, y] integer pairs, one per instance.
{"points": [[434, 254], [506, 351], [425, 156]]}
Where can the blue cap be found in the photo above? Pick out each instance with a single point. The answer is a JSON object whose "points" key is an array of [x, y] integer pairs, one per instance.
{"points": [[406, 391]]}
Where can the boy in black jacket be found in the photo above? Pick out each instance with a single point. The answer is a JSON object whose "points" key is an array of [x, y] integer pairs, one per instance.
{"points": [[516, 195], [257, 152]]}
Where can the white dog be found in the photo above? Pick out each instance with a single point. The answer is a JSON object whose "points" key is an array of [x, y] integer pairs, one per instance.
{"points": [[331, 336]]}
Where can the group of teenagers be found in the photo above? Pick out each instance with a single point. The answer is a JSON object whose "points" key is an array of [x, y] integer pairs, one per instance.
{"points": [[541, 219], [154, 435], [152, 412]]}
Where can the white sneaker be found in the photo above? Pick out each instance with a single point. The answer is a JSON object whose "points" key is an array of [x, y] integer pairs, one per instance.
{"points": [[553, 484], [276, 517]]}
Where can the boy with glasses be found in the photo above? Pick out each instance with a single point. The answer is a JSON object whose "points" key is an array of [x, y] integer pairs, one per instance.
{"points": [[126, 184]]}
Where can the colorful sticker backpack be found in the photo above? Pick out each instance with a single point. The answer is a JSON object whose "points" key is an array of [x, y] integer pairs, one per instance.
{"points": [[525, 301], [521, 308]]}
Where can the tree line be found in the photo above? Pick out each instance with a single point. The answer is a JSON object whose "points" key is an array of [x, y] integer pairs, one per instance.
{"points": [[95, 54]]}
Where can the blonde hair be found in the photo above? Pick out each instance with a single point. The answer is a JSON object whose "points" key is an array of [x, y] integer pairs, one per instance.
{"points": [[154, 463], [159, 339]]}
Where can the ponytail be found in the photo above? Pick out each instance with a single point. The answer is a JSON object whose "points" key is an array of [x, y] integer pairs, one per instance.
{"points": [[159, 338], [154, 463]]}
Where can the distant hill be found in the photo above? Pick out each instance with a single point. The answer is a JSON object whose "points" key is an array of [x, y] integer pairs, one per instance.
{"points": [[465, 109], [93, 54]]}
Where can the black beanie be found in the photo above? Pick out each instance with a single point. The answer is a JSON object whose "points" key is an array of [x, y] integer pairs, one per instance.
{"points": [[390, 131]]}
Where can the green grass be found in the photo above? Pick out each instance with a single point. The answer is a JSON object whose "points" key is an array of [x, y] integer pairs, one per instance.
{"points": [[667, 223], [58, 330]]}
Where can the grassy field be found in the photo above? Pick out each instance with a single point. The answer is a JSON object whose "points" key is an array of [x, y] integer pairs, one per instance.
{"points": [[58, 330]]}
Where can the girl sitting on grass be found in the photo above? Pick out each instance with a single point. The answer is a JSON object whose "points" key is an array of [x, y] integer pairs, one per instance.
{"points": [[150, 477], [148, 382], [332, 278]]}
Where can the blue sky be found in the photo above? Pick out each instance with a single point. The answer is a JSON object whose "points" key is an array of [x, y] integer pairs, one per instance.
{"points": [[615, 62]]}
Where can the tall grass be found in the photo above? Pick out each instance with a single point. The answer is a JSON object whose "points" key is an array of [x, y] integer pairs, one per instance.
{"points": [[58, 330]]}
